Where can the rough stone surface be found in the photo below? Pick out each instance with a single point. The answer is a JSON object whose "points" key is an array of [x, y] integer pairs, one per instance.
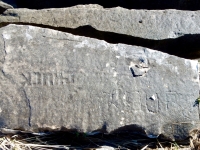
{"points": [[147, 24], [130, 4], [53, 79], [172, 31]]}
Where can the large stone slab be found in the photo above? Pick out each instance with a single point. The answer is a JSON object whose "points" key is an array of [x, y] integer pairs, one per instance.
{"points": [[172, 31], [54, 79], [147, 24], [131, 4]]}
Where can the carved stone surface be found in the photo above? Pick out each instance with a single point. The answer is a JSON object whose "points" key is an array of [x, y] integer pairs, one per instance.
{"points": [[54, 79], [147, 24]]}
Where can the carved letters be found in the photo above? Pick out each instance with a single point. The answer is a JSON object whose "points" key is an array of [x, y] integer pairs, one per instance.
{"points": [[137, 100], [46, 79]]}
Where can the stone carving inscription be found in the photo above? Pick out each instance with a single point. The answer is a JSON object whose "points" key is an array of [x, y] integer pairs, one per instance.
{"points": [[122, 100], [55, 79], [46, 79]]}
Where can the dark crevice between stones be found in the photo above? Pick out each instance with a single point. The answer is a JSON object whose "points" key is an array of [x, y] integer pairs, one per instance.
{"points": [[29, 107], [2, 10], [186, 46], [129, 4]]}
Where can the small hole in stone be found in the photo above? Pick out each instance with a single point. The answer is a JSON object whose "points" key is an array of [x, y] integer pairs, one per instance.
{"points": [[140, 21]]}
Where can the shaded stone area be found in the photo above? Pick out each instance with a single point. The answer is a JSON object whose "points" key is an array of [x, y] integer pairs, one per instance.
{"points": [[52, 79], [147, 24], [186, 46], [130, 4]]}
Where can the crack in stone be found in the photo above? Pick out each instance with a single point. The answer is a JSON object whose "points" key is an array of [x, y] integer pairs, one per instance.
{"points": [[3, 73], [4, 48], [29, 106]]}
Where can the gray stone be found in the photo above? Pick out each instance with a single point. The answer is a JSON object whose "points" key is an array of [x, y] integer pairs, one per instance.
{"points": [[147, 24], [130, 4], [52, 79], [172, 31]]}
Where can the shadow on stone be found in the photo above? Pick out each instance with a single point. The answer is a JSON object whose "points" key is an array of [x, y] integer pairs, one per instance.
{"points": [[186, 46], [129, 136], [134, 129]]}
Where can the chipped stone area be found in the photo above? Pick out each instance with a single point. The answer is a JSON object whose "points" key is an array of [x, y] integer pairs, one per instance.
{"points": [[52, 79]]}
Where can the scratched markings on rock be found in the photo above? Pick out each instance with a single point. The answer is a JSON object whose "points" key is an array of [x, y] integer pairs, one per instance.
{"points": [[62, 80], [137, 101], [46, 79], [72, 86], [74, 78]]}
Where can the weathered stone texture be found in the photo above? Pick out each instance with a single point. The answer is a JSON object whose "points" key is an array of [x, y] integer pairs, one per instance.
{"points": [[147, 24], [130, 4], [53, 79]]}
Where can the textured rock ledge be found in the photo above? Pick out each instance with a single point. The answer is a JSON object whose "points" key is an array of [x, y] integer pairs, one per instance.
{"points": [[147, 24], [131, 4], [54, 79]]}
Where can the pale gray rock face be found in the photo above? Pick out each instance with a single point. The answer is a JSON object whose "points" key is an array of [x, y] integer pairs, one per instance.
{"points": [[130, 4], [147, 24], [54, 79], [172, 31]]}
